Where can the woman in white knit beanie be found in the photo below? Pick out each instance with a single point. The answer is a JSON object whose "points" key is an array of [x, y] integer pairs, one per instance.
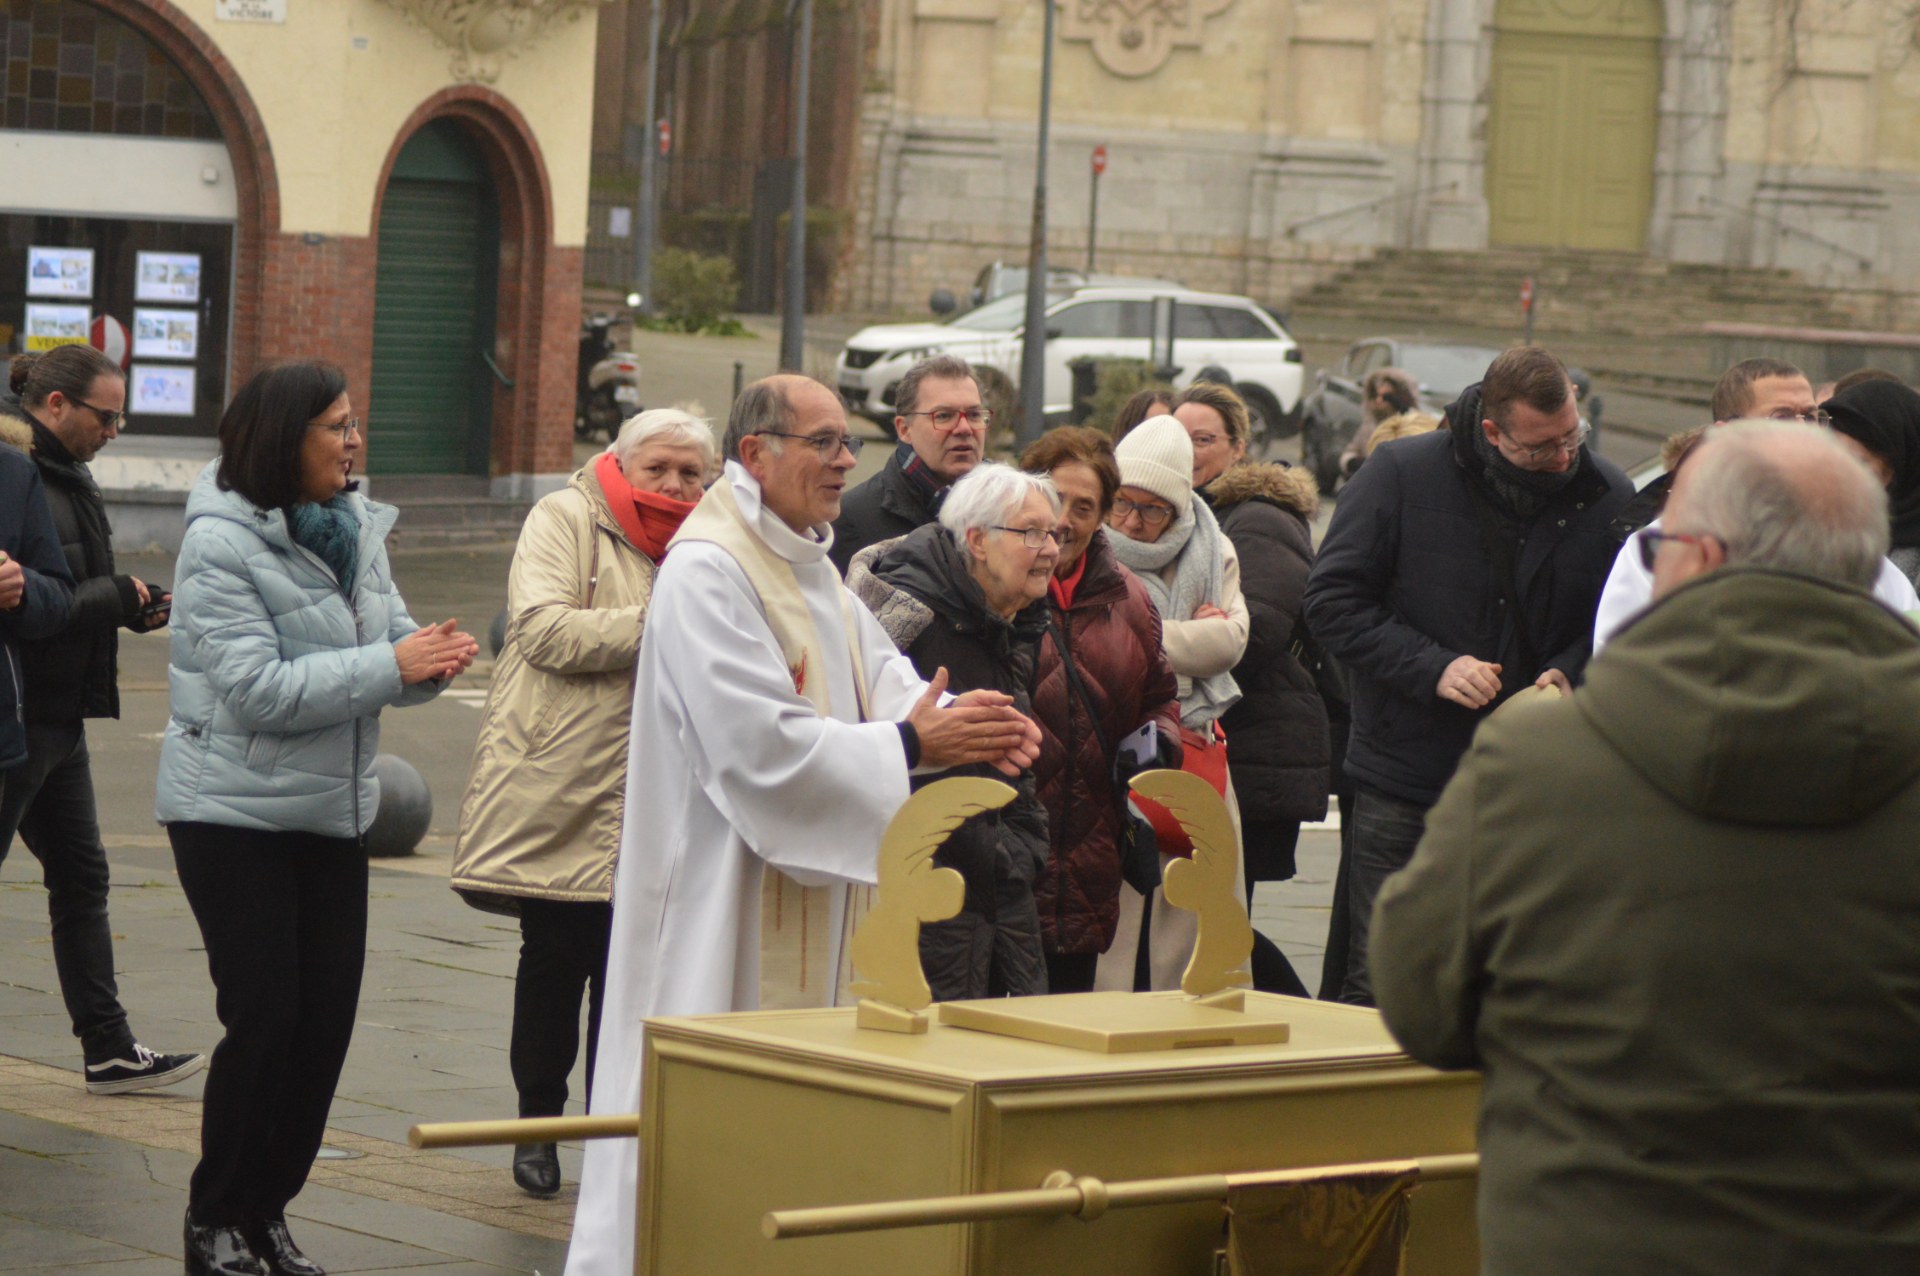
{"points": [[1172, 543]]}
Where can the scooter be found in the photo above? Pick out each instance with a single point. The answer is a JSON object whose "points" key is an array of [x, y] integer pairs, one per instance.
{"points": [[608, 389]]}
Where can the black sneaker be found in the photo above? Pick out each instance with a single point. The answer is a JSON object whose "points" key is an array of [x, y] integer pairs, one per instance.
{"points": [[145, 1071]]}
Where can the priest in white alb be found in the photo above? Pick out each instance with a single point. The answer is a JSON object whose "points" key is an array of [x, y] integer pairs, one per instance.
{"points": [[774, 726]]}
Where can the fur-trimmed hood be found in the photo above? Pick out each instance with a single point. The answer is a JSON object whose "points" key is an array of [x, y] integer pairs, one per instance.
{"points": [[1290, 487], [16, 433]]}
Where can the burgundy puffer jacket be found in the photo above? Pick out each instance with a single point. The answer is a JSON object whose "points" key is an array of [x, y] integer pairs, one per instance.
{"points": [[1113, 633]]}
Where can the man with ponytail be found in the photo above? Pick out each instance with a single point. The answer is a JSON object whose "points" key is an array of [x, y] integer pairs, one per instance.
{"points": [[71, 403]]}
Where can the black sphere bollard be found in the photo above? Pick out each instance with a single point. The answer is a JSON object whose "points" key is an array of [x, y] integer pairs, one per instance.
{"points": [[497, 633], [406, 808]]}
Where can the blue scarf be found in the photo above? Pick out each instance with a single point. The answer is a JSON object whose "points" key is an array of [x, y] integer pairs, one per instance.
{"points": [[330, 531]]}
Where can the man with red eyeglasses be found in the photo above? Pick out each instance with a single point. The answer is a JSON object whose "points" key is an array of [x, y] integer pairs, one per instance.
{"points": [[942, 426]]}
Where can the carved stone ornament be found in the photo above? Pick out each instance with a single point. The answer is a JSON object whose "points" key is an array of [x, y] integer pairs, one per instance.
{"points": [[484, 33], [1135, 37]]}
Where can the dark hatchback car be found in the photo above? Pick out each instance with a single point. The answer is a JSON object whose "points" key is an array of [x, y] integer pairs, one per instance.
{"points": [[1330, 414]]}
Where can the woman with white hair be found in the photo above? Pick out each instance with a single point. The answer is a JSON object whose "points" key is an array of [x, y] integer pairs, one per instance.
{"points": [[966, 598], [540, 824]]}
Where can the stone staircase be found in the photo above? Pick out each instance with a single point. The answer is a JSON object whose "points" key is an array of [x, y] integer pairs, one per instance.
{"points": [[1576, 294], [447, 509]]}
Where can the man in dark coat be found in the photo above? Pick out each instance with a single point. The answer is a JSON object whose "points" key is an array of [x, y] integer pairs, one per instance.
{"points": [[1671, 919], [1461, 566], [36, 592], [73, 674], [942, 425]]}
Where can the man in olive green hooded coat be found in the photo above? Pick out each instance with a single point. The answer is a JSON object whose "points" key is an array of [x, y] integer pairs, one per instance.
{"points": [[1675, 918]]}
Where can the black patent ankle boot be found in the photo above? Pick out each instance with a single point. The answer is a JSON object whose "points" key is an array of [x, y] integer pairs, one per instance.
{"points": [[273, 1243], [220, 1251], [536, 1168]]}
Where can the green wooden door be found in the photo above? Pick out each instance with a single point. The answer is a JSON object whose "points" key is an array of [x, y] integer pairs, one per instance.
{"points": [[1573, 123], [430, 404]]}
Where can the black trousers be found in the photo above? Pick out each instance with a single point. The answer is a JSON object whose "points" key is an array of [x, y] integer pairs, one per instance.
{"points": [[48, 800], [284, 917], [563, 952]]}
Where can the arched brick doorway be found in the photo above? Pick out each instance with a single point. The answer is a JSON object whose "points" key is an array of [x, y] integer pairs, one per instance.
{"points": [[255, 186], [537, 300]]}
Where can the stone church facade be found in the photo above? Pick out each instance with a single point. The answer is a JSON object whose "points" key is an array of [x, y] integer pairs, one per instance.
{"points": [[1254, 145]]}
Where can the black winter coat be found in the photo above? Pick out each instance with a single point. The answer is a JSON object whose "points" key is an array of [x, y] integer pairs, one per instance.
{"points": [[919, 589], [1405, 584], [1113, 633], [1277, 741], [886, 506], [27, 537], [77, 674]]}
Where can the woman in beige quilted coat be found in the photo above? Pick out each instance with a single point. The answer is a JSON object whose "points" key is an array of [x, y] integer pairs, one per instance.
{"points": [[540, 823]]}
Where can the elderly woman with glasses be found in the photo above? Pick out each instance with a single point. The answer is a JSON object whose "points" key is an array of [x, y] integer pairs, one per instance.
{"points": [[289, 638], [966, 598], [540, 825], [1173, 543]]}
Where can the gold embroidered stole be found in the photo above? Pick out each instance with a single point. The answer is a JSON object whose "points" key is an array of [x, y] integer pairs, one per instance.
{"points": [[795, 920]]}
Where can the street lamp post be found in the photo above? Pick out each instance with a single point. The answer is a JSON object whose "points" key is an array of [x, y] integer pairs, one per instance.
{"points": [[1033, 346], [643, 222], [793, 311]]}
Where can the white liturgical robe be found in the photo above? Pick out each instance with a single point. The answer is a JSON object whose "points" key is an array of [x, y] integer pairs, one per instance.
{"points": [[730, 770]]}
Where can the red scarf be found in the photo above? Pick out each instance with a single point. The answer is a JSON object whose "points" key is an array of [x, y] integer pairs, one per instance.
{"points": [[648, 519], [1062, 587]]}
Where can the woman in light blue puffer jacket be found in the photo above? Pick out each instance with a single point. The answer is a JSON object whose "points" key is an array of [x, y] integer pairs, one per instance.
{"points": [[288, 640]]}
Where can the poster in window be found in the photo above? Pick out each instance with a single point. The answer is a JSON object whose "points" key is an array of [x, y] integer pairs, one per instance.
{"points": [[50, 326], [167, 277], [59, 272], [158, 390], [166, 334]]}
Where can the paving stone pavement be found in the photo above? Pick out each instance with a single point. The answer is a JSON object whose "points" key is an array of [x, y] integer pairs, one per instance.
{"points": [[98, 1183]]}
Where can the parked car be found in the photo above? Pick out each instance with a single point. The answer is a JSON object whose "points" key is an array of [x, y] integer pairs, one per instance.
{"points": [[1441, 368], [1209, 329], [1002, 279]]}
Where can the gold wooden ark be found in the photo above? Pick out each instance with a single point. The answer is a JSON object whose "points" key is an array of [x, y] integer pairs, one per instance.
{"points": [[749, 1113]]}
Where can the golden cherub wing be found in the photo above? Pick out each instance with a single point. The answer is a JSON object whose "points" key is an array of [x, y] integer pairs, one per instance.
{"points": [[886, 948], [928, 818], [1207, 884]]}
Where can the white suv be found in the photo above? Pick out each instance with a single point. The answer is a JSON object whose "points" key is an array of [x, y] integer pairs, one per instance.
{"points": [[1209, 329]]}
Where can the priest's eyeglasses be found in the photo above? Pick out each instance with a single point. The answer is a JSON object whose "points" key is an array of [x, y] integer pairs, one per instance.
{"points": [[1031, 537], [827, 445], [946, 420]]}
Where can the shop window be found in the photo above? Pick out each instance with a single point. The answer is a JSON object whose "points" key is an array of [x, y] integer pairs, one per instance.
{"points": [[70, 68]]}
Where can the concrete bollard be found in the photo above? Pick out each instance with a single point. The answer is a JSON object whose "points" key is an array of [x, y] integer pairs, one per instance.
{"points": [[406, 808]]}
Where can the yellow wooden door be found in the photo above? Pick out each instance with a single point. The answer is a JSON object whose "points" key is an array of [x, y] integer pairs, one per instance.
{"points": [[1572, 124]]}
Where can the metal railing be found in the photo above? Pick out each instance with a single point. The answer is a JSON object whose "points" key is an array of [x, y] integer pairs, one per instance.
{"points": [[1861, 260], [1384, 201]]}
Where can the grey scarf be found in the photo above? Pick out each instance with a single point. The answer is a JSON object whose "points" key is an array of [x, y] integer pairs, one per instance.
{"points": [[1195, 545]]}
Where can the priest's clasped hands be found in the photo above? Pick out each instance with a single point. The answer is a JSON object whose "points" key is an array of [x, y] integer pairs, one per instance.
{"points": [[980, 726]]}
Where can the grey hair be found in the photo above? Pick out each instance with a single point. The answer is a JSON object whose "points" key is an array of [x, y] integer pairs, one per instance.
{"points": [[761, 406], [663, 425], [944, 367], [1787, 495], [988, 494]]}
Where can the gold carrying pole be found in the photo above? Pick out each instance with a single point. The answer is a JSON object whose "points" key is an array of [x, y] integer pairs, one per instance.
{"points": [[473, 1134], [1086, 1198]]}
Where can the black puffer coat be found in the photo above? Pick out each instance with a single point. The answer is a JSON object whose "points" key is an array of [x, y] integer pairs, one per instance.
{"points": [[1113, 634], [886, 506], [919, 589], [46, 605], [1277, 744], [77, 674], [1405, 584]]}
